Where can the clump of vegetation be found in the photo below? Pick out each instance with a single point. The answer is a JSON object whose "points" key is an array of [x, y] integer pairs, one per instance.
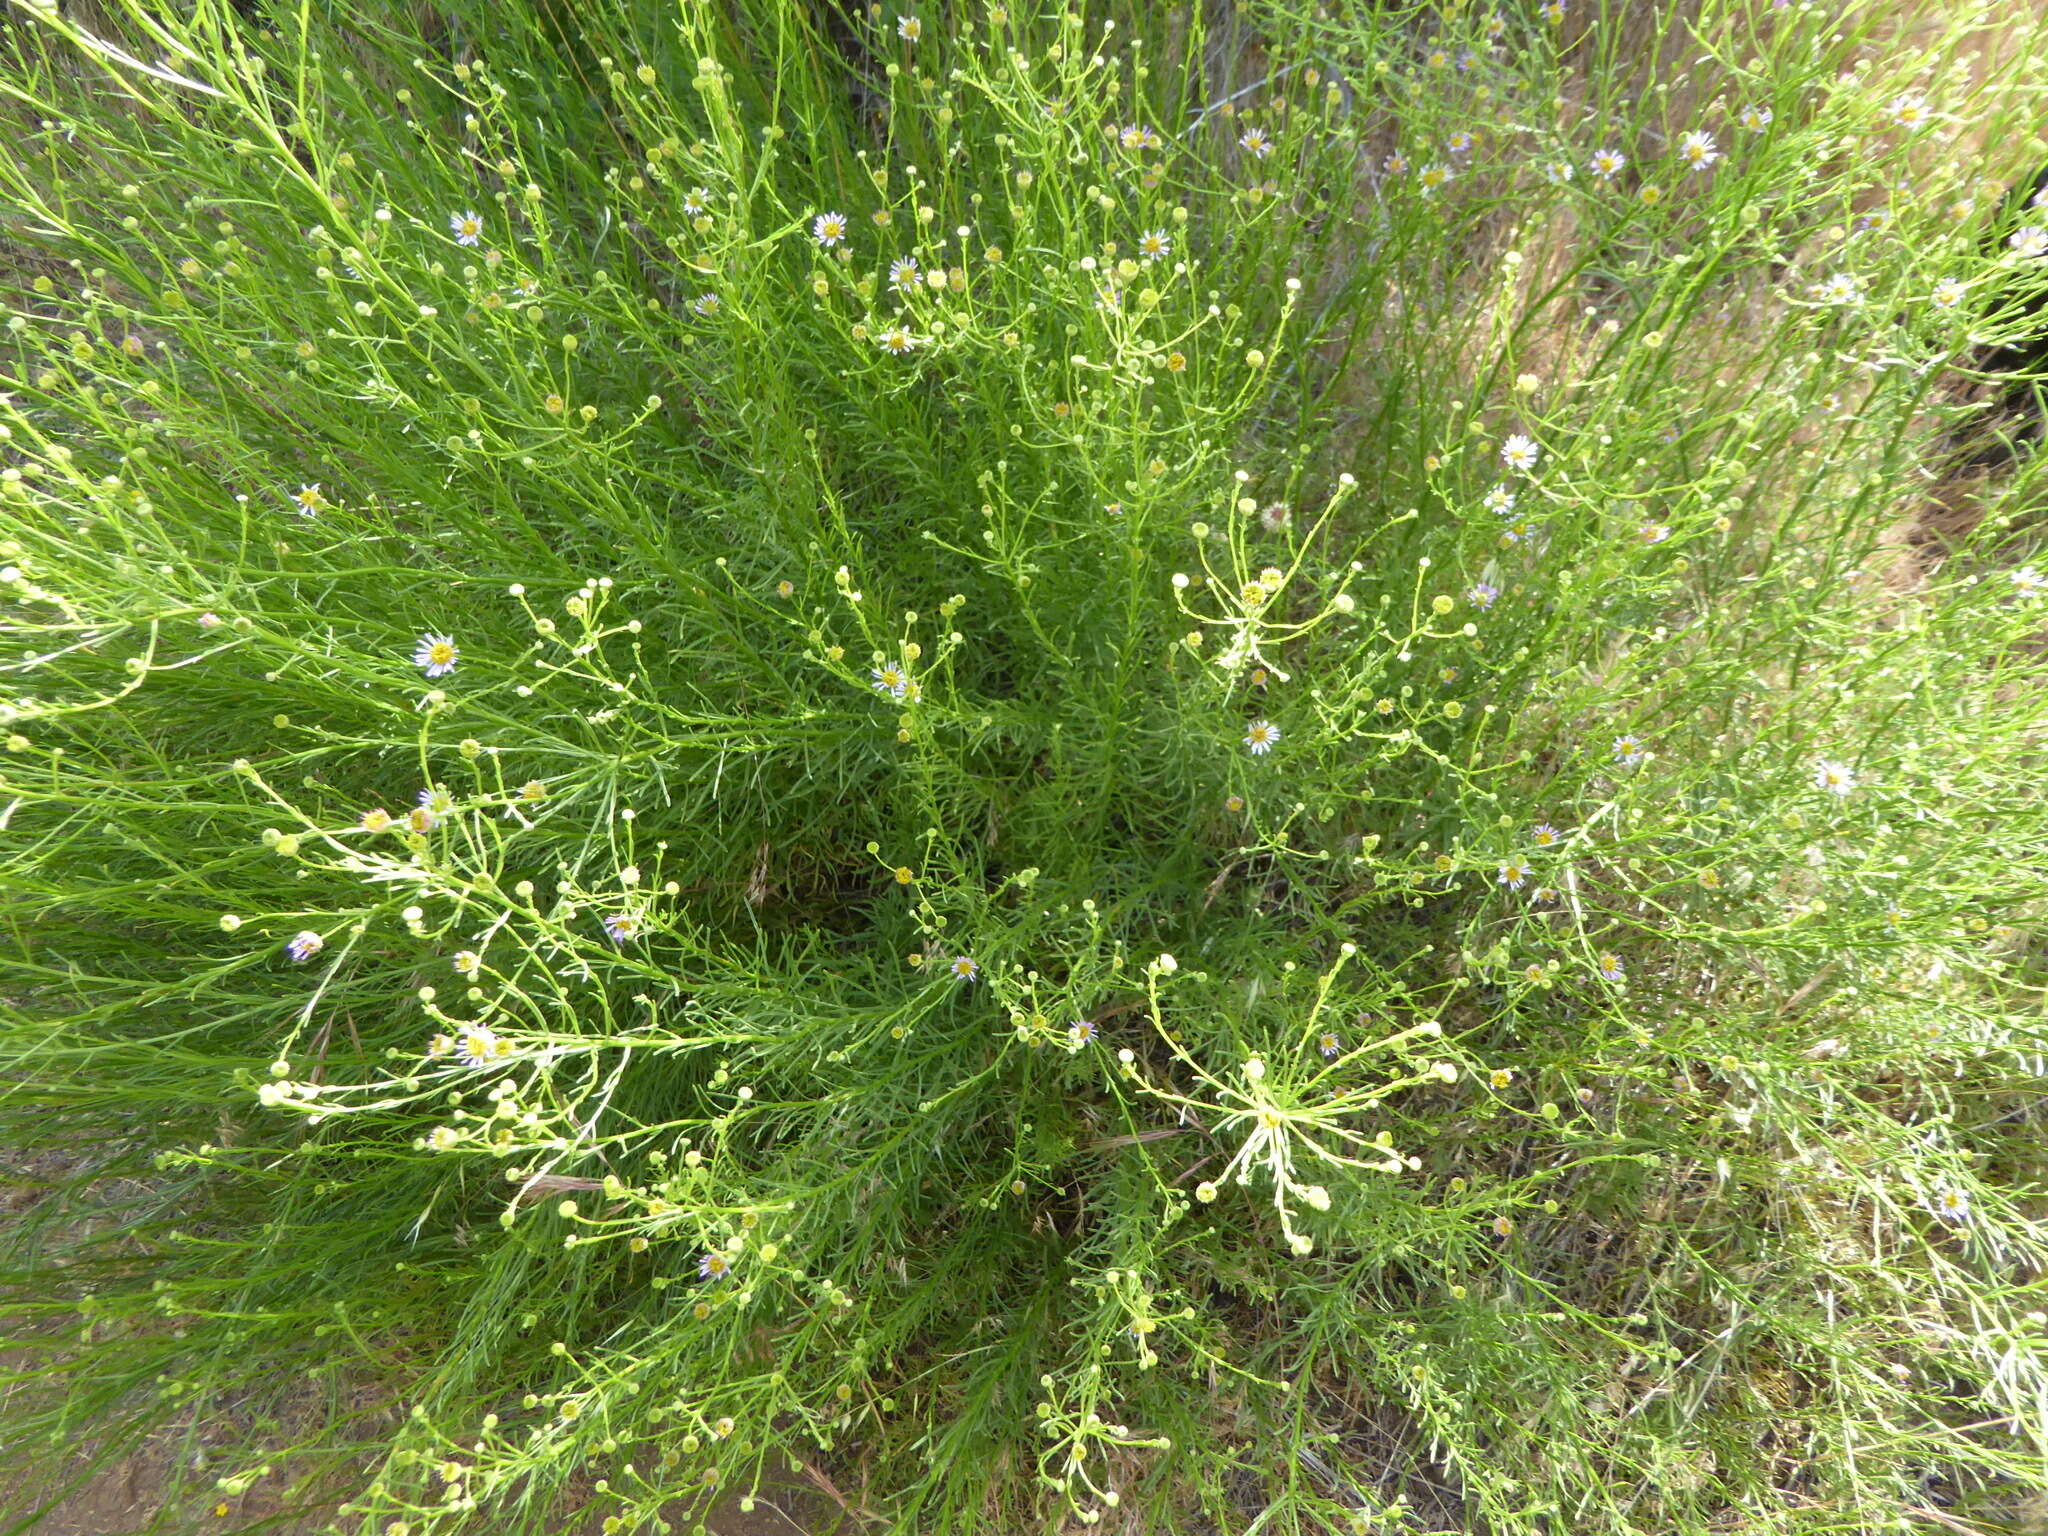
{"points": [[1176, 769]]}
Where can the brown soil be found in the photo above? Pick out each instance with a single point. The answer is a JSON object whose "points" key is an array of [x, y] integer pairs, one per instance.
{"points": [[127, 1498]]}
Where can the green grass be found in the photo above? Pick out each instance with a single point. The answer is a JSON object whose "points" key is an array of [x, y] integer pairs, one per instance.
{"points": [[827, 976]]}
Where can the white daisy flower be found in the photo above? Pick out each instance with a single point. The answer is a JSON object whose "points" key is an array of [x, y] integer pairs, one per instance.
{"points": [[1835, 778], [436, 655]]}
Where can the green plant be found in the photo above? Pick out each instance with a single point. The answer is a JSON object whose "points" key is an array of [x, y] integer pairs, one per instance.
{"points": [[1100, 784]]}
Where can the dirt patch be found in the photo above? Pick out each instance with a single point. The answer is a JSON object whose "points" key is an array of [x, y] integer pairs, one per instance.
{"points": [[781, 1509], [91, 1488], [128, 1497]]}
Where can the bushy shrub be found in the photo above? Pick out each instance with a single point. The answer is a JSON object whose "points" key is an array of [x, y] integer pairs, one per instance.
{"points": [[1120, 765]]}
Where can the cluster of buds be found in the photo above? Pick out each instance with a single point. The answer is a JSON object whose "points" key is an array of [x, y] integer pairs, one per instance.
{"points": [[1251, 612]]}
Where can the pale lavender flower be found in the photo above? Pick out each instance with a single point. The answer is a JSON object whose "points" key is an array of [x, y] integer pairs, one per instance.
{"points": [[436, 655]]}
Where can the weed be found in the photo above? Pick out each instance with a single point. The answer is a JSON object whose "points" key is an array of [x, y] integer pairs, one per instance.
{"points": [[1107, 765]]}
